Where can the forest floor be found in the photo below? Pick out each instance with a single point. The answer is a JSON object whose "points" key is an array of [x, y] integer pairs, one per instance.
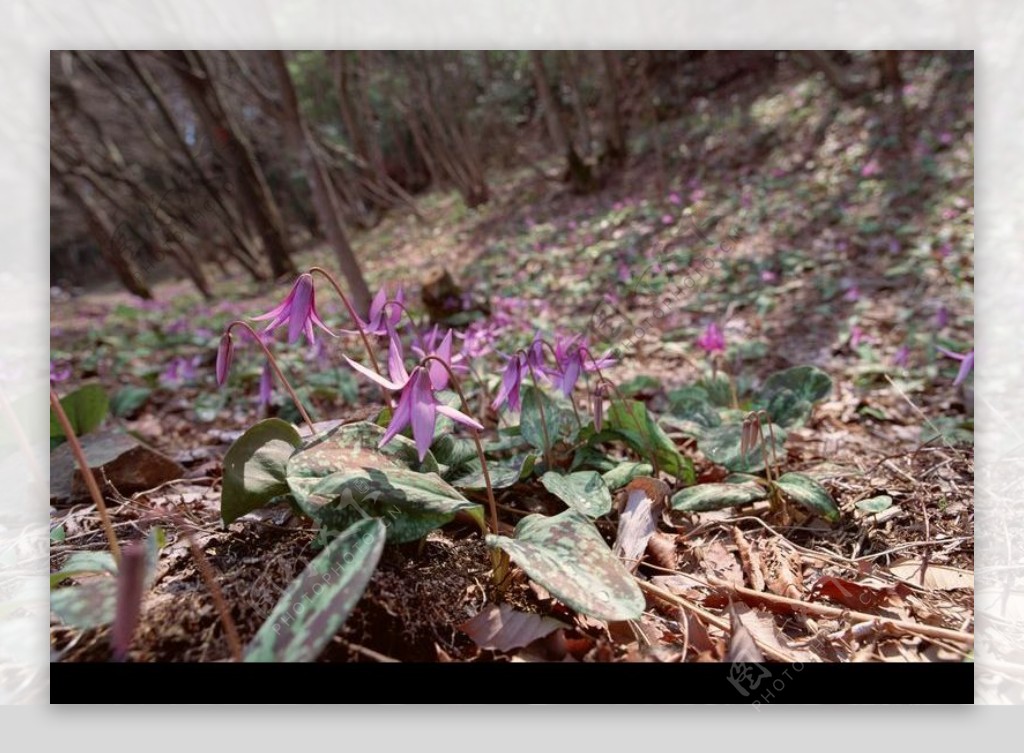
{"points": [[830, 248]]}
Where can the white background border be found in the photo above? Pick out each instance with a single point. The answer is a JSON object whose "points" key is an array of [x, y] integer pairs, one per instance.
{"points": [[31, 27]]}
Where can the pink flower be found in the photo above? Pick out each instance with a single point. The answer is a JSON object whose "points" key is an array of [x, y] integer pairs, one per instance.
{"points": [[966, 363], [872, 168], [667, 219], [298, 310], [675, 199], [901, 357], [712, 340]]}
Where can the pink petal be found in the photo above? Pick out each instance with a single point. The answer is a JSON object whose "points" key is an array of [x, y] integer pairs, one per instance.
{"points": [[454, 413], [369, 373]]}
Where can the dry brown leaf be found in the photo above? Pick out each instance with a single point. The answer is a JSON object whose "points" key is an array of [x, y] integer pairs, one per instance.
{"points": [[661, 549], [781, 570], [502, 628], [935, 576], [856, 595], [722, 564], [761, 626], [742, 647], [750, 558], [639, 519]]}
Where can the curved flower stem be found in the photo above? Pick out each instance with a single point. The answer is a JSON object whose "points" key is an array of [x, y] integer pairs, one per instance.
{"points": [[352, 313], [87, 475], [771, 432], [277, 370], [491, 502], [543, 419]]}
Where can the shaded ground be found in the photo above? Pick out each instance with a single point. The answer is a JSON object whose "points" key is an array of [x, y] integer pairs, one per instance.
{"points": [[829, 247]]}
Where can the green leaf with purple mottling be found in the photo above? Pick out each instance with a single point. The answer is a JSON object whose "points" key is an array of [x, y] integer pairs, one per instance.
{"points": [[567, 556], [584, 491], [317, 603]]}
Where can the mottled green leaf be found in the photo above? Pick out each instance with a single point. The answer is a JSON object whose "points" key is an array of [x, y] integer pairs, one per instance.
{"points": [[92, 561], [640, 384], [130, 399], [722, 446], [589, 457], [86, 408], [414, 503], [567, 556], [625, 472], [504, 473], [453, 451], [809, 383], [874, 504], [788, 409], [631, 421], [692, 404], [254, 467], [583, 490], [713, 497], [718, 390], [87, 605], [317, 603], [809, 494], [558, 416]]}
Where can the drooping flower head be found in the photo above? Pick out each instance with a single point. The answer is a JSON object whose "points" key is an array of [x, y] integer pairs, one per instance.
{"points": [[417, 405], [382, 317], [224, 353], [511, 382], [298, 310], [712, 340], [966, 363], [572, 357]]}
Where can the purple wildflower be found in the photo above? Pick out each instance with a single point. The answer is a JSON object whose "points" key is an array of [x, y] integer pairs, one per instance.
{"points": [[573, 357], [902, 357], [298, 310], [712, 340], [59, 372], [511, 380], [966, 363], [941, 317]]}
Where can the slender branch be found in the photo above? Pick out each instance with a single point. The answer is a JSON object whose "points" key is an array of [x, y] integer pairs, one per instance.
{"points": [[206, 571], [476, 439], [277, 370], [90, 479], [799, 606]]}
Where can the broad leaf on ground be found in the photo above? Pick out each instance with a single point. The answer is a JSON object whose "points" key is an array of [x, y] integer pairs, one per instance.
{"points": [[713, 497], [809, 494], [318, 602], [566, 555], [583, 490], [254, 467], [632, 422]]}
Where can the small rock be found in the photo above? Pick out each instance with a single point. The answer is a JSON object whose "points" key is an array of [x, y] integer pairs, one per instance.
{"points": [[117, 459]]}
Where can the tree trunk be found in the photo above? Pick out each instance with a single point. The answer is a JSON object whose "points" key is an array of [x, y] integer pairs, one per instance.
{"points": [[578, 172], [244, 252], [253, 191], [615, 149], [891, 79], [114, 249], [324, 197]]}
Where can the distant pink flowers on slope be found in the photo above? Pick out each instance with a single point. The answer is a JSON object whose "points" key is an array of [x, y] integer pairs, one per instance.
{"points": [[298, 310], [870, 169], [712, 340]]}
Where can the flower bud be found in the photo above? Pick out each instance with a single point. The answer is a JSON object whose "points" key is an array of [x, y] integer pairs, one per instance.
{"points": [[224, 352]]}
